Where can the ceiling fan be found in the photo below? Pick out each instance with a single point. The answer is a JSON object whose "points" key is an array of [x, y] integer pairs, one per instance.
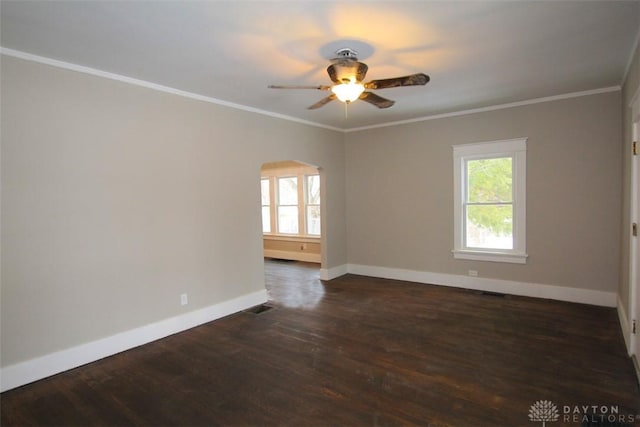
{"points": [[347, 74]]}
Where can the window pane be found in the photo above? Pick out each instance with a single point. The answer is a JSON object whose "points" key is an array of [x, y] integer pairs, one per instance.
{"points": [[489, 226], [313, 220], [313, 189], [288, 219], [489, 180], [288, 191], [264, 183], [266, 219]]}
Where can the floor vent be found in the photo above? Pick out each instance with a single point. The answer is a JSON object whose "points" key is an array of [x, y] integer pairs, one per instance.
{"points": [[258, 309]]}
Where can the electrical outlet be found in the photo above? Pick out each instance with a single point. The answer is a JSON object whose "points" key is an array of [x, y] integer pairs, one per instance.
{"points": [[184, 299], [473, 273]]}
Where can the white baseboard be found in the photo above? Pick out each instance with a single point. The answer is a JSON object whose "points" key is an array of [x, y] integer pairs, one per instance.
{"points": [[624, 326], [35, 369], [561, 293], [636, 367], [333, 272], [629, 338], [295, 256]]}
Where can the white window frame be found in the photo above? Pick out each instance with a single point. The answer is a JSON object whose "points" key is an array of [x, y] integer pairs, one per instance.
{"points": [[280, 205], [269, 205], [302, 203], [517, 150], [307, 204]]}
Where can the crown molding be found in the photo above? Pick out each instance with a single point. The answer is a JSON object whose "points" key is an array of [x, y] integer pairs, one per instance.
{"points": [[154, 86], [492, 107]]}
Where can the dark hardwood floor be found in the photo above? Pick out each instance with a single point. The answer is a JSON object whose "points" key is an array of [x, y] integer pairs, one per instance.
{"points": [[355, 351]]}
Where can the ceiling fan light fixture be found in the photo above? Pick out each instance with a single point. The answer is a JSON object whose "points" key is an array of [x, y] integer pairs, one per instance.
{"points": [[348, 92]]}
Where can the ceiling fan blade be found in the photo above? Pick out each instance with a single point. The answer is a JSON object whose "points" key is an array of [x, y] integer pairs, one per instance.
{"points": [[344, 69], [323, 101], [412, 80], [318, 87], [376, 100]]}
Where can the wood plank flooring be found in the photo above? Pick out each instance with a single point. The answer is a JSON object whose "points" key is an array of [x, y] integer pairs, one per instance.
{"points": [[354, 351]]}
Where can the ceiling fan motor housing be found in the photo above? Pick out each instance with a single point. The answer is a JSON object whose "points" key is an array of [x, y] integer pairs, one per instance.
{"points": [[345, 66], [343, 70]]}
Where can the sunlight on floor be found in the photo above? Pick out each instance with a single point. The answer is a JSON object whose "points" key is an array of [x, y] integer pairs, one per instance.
{"points": [[294, 284]]}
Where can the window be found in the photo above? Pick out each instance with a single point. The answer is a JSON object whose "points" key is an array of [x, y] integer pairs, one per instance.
{"points": [[490, 201], [291, 202], [312, 199], [266, 205], [288, 205]]}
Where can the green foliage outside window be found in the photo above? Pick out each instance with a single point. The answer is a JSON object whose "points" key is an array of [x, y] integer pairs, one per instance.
{"points": [[489, 187]]}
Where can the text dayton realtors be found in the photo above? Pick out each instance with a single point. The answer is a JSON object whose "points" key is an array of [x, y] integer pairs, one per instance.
{"points": [[596, 413]]}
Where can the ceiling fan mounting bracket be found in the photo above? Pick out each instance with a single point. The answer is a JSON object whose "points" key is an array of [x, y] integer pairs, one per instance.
{"points": [[347, 52]]}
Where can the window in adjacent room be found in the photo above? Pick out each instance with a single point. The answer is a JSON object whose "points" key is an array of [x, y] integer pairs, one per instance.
{"points": [[266, 205], [312, 201], [490, 201], [288, 222], [291, 205]]}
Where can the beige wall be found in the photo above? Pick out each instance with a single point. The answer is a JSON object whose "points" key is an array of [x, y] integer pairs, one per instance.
{"points": [[628, 91], [400, 192], [116, 199]]}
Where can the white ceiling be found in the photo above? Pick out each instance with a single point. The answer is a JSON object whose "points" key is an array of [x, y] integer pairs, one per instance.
{"points": [[477, 53]]}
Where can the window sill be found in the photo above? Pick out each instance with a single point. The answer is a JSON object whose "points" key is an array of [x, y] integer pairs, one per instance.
{"points": [[514, 258], [291, 237]]}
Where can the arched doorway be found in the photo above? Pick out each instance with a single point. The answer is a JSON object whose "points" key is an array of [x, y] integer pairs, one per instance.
{"points": [[292, 228]]}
